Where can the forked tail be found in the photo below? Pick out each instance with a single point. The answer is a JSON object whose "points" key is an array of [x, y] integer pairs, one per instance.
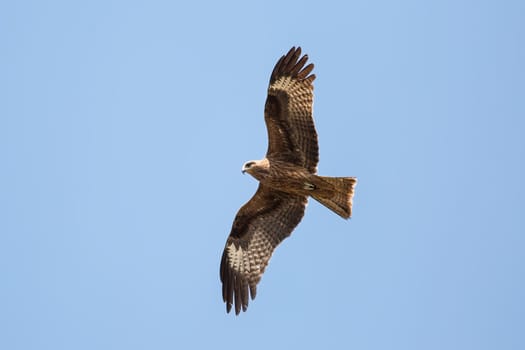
{"points": [[335, 193]]}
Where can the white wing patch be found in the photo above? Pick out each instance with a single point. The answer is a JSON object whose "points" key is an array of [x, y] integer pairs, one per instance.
{"points": [[235, 256], [239, 259], [283, 83], [295, 89]]}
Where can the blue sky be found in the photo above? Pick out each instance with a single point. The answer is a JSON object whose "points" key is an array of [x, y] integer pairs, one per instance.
{"points": [[123, 129]]}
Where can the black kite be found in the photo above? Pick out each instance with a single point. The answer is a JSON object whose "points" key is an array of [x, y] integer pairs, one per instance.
{"points": [[287, 176]]}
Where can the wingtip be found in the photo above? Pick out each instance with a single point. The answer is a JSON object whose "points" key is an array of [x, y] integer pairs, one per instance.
{"points": [[293, 50], [293, 64]]}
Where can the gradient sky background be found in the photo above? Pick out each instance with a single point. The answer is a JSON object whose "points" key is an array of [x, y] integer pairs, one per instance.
{"points": [[123, 129]]}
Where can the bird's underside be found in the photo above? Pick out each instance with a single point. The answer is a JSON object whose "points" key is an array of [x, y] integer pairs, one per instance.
{"points": [[293, 179], [287, 176]]}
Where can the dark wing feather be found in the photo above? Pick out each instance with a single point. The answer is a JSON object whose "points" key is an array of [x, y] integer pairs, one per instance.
{"points": [[289, 112], [260, 225]]}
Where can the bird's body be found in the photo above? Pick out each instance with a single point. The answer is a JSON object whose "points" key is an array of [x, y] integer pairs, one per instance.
{"points": [[282, 176], [287, 177], [296, 180]]}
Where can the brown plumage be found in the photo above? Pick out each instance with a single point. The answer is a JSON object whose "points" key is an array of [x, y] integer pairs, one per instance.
{"points": [[287, 176]]}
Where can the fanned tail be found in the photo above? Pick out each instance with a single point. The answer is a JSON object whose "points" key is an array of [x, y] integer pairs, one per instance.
{"points": [[335, 193]]}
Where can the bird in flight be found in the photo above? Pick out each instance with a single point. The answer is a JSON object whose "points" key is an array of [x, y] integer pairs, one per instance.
{"points": [[287, 177]]}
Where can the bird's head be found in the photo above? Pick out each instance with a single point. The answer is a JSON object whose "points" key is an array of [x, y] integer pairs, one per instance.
{"points": [[256, 168]]}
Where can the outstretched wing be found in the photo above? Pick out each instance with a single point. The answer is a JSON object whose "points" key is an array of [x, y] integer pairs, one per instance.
{"points": [[289, 112], [260, 225]]}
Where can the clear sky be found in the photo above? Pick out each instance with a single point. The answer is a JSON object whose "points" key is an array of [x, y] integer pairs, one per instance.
{"points": [[123, 129]]}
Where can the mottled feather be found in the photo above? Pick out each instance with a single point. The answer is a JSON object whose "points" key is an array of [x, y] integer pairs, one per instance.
{"points": [[260, 225], [288, 112]]}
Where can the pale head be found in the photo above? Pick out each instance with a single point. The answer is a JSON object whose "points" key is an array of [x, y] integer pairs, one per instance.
{"points": [[256, 168]]}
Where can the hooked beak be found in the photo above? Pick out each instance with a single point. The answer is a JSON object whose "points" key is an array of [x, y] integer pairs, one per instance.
{"points": [[247, 166]]}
